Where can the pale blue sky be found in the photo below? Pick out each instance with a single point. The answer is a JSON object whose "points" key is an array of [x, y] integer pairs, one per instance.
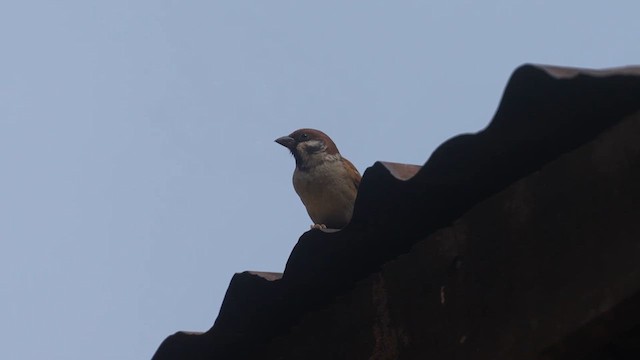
{"points": [[138, 168]]}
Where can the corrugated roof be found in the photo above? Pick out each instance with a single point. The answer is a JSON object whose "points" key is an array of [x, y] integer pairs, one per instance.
{"points": [[545, 112]]}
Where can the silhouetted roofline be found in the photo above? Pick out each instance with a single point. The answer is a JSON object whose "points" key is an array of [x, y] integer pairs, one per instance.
{"points": [[545, 112]]}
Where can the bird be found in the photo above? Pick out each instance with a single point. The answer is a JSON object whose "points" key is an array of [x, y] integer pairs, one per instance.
{"points": [[326, 182]]}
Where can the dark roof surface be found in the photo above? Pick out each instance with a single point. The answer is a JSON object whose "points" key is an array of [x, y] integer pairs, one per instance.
{"points": [[545, 112]]}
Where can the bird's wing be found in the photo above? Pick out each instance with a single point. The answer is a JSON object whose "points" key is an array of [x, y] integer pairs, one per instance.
{"points": [[354, 172]]}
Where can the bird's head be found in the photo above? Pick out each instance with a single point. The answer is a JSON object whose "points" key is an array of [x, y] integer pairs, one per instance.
{"points": [[310, 147]]}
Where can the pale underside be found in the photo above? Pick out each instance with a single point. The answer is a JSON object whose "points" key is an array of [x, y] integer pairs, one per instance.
{"points": [[327, 192]]}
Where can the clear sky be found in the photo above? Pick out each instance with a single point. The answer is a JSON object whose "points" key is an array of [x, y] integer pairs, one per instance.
{"points": [[138, 170]]}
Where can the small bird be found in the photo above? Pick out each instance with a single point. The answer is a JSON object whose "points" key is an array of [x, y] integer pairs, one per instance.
{"points": [[326, 182]]}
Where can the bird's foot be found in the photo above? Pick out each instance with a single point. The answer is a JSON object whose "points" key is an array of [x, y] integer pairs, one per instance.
{"points": [[318, 226]]}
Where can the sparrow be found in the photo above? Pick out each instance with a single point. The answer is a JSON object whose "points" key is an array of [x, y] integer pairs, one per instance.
{"points": [[326, 182]]}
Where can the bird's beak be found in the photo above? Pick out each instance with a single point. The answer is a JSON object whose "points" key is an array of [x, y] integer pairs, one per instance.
{"points": [[286, 141]]}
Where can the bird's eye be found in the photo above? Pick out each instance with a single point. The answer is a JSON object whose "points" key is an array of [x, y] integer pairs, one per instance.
{"points": [[304, 136]]}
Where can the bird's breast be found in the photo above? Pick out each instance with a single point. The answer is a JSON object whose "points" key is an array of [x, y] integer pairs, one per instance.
{"points": [[327, 192]]}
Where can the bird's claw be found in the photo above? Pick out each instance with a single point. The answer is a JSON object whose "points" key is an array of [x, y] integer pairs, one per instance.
{"points": [[318, 226]]}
